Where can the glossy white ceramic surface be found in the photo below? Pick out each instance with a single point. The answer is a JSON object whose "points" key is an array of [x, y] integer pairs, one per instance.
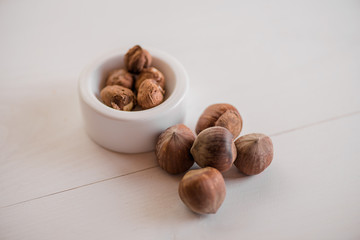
{"points": [[134, 131]]}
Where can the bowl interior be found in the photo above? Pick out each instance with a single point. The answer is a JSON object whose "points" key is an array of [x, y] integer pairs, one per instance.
{"points": [[100, 73]]}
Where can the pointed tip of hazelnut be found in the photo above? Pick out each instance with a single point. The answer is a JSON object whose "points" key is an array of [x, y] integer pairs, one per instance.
{"points": [[254, 153], [173, 149], [214, 147]]}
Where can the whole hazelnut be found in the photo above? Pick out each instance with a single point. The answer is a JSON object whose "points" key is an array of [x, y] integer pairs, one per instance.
{"points": [[120, 77], [223, 115], [150, 94], [136, 59], [254, 153], [203, 190], [173, 149], [214, 147], [152, 73], [118, 97]]}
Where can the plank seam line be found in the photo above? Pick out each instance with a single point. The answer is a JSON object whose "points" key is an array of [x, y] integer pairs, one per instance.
{"points": [[74, 188], [314, 124], [145, 169]]}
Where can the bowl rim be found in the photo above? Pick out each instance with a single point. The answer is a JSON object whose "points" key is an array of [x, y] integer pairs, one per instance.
{"points": [[177, 96]]}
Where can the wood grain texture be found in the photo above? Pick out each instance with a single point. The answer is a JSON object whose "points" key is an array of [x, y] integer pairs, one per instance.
{"points": [[308, 192], [45, 148], [290, 68]]}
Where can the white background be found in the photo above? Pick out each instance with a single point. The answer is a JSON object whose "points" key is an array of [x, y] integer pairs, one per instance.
{"points": [[292, 68]]}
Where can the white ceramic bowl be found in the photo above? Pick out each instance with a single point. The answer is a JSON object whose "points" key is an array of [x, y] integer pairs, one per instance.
{"points": [[135, 131]]}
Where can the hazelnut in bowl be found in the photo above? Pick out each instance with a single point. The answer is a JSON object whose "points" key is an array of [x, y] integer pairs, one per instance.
{"points": [[110, 123]]}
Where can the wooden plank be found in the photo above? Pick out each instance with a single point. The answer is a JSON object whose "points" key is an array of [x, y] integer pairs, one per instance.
{"points": [[311, 190], [44, 148], [281, 70]]}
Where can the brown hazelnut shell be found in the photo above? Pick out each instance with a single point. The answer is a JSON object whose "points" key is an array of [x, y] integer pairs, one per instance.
{"points": [[203, 190], [120, 77], [118, 97], [152, 73], [214, 147], [136, 59], [173, 149], [150, 94], [223, 115], [254, 153]]}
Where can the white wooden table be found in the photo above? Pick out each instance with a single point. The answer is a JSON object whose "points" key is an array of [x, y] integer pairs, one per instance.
{"points": [[292, 68]]}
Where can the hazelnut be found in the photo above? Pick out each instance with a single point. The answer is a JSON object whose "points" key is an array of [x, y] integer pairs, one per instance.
{"points": [[173, 149], [214, 147], [203, 190], [254, 153], [223, 115], [150, 94], [120, 77], [118, 97], [152, 73], [136, 59]]}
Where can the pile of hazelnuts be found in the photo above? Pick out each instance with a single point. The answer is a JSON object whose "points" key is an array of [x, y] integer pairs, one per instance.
{"points": [[215, 149], [139, 84]]}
